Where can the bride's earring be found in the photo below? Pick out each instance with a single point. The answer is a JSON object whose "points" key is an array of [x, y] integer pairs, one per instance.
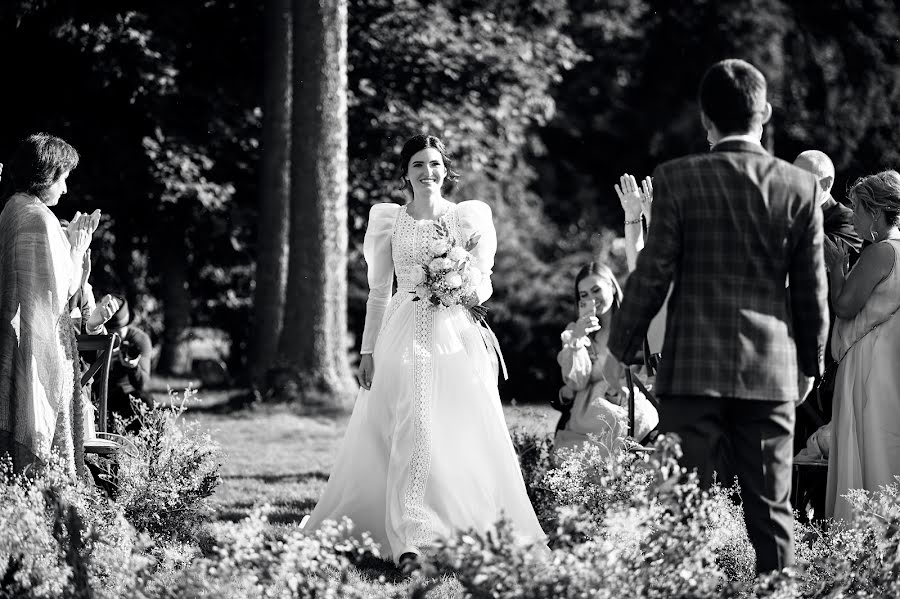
{"points": [[874, 234]]}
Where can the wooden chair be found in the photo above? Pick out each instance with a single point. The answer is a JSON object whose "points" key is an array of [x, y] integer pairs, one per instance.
{"points": [[810, 474], [104, 443], [649, 361], [634, 384]]}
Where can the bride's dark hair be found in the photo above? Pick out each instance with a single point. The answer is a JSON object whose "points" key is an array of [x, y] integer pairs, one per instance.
{"points": [[417, 143]]}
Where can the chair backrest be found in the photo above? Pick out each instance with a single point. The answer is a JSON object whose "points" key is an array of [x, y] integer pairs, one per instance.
{"points": [[103, 345], [633, 382]]}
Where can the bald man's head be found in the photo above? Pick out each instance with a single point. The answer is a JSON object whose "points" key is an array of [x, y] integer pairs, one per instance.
{"points": [[819, 164]]}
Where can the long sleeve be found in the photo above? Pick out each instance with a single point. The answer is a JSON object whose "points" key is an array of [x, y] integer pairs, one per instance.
{"points": [[475, 216], [574, 360], [809, 291], [380, 265], [838, 226]]}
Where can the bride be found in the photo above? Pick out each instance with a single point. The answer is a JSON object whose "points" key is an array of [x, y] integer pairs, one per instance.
{"points": [[427, 451]]}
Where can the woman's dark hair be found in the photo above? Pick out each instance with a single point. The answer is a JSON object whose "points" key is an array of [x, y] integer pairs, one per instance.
{"points": [[417, 143], [601, 270], [732, 95], [39, 162]]}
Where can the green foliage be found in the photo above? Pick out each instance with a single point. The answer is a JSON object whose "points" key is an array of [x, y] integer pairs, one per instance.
{"points": [[631, 525], [166, 472], [860, 558], [251, 562], [481, 76], [62, 539], [478, 75], [544, 105], [533, 451]]}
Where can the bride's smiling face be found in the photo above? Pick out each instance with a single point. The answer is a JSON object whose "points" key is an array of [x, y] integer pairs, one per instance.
{"points": [[426, 171]]}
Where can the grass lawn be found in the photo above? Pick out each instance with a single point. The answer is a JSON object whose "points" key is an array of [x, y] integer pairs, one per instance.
{"points": [[275, 457]]}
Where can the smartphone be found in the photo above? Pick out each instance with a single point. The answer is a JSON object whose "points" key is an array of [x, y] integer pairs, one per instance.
{"points": [[587, 307]]}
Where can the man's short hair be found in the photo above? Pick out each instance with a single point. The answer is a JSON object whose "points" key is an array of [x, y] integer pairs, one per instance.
{"points": [[732, 95]]}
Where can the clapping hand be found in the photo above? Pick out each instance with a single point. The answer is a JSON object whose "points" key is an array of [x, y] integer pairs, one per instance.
{"points": [[80, 230]]}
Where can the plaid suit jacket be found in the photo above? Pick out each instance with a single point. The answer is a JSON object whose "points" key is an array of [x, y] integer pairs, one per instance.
{"points": [[729, 229]]}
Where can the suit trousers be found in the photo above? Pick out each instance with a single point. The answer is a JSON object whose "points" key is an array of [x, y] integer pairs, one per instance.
{"points": [[752, 440]]}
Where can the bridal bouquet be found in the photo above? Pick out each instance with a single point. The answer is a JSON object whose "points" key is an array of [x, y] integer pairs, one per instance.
{"points": [[448, 276]]}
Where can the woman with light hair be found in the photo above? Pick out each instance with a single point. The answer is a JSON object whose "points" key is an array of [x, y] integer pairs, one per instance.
{"points": [[865, 452]]}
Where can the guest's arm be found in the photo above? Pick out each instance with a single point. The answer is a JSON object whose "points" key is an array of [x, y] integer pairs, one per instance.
{"points": [[634, 200], [648, 285], [850, 291]]}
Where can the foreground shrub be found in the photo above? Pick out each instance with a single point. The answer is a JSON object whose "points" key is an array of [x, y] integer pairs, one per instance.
{"points": [[633, 525], [250, 561], [166, 472], [533, 451], [859, 558], [61, 538]]}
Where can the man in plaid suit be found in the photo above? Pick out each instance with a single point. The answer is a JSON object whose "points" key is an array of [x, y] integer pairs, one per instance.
{"points": [[730, 228]]}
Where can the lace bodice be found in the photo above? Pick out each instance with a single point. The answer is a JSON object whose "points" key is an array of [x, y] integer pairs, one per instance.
{"points": [[411, 241], [395, 242]]}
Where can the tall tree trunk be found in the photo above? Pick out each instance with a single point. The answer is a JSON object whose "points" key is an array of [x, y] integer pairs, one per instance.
{"points": [[173, 257], [274, 192], [314, 338]]}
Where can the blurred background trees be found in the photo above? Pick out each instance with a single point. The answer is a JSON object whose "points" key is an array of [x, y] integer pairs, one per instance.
{"points": [[544, 105]]}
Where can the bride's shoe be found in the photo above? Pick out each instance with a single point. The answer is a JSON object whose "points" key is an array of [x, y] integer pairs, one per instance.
{"points": [[409, 564]]}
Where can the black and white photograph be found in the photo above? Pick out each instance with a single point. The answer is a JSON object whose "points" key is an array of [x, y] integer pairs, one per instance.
{"points": [[439, 299]]}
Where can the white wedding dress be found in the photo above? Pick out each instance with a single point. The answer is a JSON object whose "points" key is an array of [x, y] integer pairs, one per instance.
{"points": [[427, 451]]}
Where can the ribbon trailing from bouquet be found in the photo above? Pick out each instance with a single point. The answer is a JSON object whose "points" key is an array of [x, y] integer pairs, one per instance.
{"points": [[491, 343]]}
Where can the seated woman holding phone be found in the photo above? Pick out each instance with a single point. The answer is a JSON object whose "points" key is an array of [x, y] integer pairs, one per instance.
{"points": [[589, 403]]}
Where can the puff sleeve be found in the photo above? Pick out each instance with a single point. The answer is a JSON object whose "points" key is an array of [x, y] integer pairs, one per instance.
{"points": [[380, 265], [574, 359], [475, 216]]}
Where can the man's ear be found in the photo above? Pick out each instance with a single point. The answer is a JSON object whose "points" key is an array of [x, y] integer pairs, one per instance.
{"points": [[704, 120], [767, 113], [825, 183]]}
